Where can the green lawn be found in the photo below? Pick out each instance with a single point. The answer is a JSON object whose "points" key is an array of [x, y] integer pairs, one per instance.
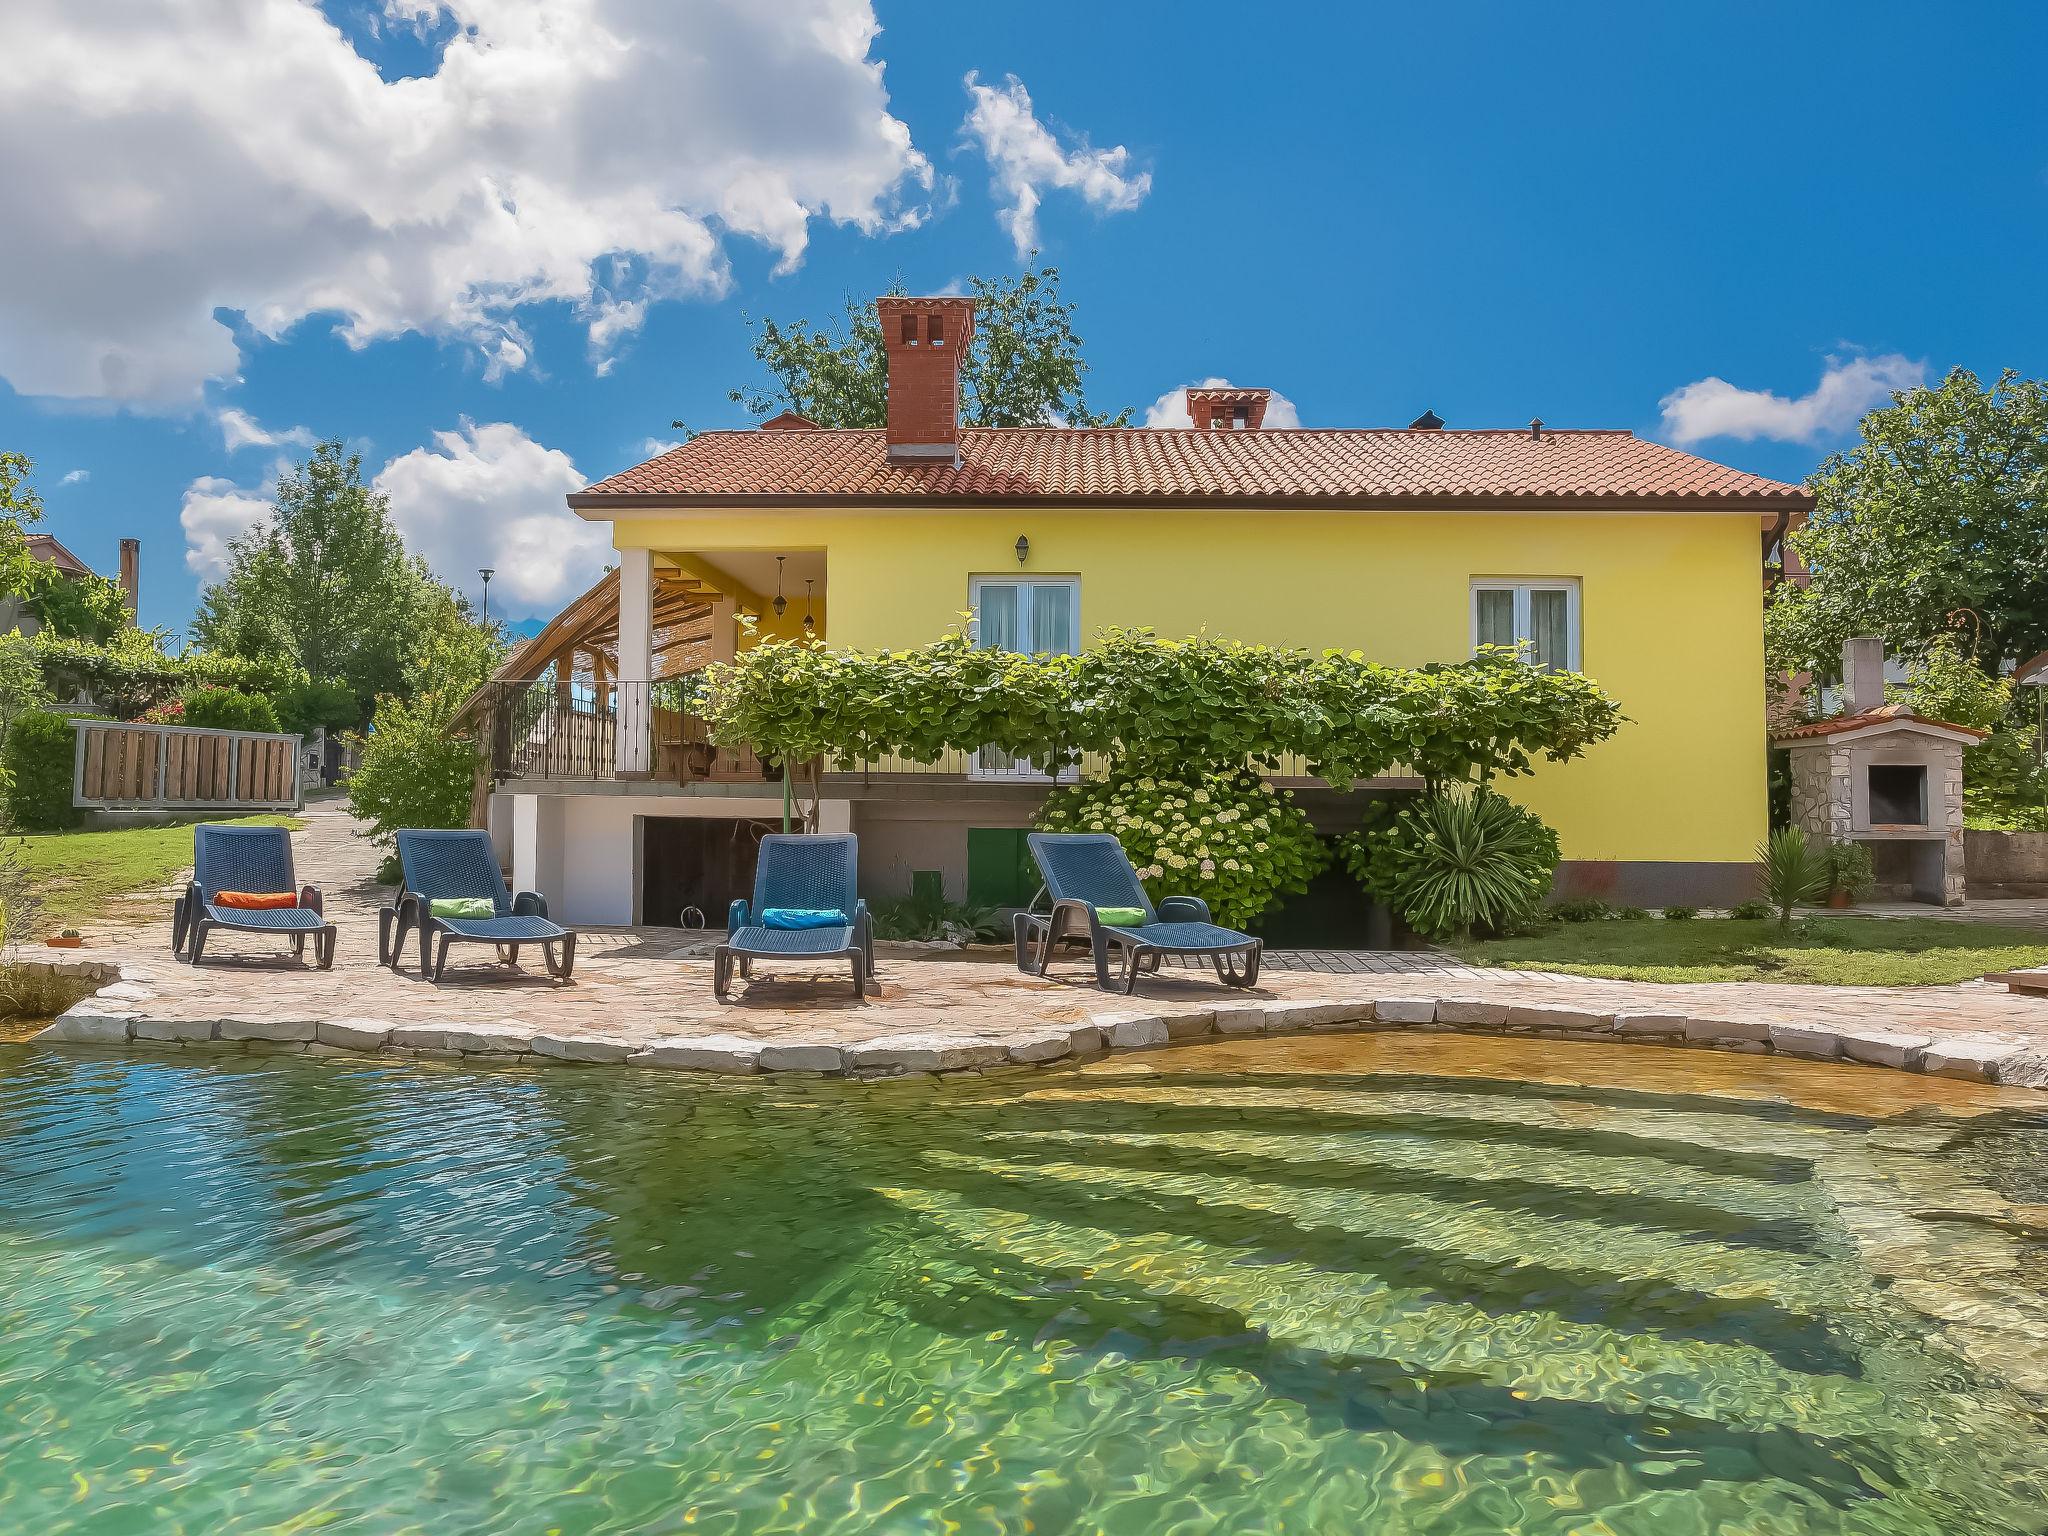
{"points": [[77, 875], [1846, 951]]}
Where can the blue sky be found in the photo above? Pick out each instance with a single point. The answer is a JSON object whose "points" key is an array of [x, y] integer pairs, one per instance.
{"points": [[1573, 212]]}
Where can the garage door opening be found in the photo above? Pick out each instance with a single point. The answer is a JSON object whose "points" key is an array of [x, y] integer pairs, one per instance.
{"points": [[696, 865]]}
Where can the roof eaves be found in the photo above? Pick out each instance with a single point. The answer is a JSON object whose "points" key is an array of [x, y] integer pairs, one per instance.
{"points": [[594, 500]]}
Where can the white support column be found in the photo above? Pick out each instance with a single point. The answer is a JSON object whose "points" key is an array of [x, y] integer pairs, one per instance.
{"points": [[525, 842], [636, 661]]}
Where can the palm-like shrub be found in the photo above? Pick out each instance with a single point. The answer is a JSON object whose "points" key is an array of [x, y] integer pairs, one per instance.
{"points": [[1793, 872], [1451, 863]]}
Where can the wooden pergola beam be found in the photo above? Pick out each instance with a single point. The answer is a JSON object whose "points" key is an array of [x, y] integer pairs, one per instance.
{"points": [[590, 626]]}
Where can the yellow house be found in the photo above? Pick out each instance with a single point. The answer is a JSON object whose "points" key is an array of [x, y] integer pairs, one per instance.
{"points": [[1601, 552]]}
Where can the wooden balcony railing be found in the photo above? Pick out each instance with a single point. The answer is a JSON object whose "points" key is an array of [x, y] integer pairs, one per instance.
{"points": [[536, 732]]}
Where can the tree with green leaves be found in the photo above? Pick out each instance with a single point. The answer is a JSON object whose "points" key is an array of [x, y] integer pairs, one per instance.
{"points": [[326, 583], [415, 771], [87, 607], [1937, 521], [1022, 369], [2004, 783]]}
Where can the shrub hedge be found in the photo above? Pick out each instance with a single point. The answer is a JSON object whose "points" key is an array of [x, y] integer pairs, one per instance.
{"points": [[36, 764], [229, 709]]}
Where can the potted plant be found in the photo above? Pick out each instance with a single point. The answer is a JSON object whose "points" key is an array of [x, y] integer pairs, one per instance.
{"points": [[1851, 876], [70, 938]]}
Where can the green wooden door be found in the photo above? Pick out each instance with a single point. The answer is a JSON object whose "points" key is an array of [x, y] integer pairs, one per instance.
{"points": [[999, 868]]}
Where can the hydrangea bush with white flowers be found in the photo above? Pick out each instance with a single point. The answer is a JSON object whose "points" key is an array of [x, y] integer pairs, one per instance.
{"points": [[1231, 839]]}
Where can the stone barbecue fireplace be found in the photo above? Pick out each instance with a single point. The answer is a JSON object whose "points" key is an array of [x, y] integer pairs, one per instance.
{"points": [[1885, 777]]}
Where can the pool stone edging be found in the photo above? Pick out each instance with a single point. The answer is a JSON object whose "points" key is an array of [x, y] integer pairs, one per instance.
{"points": [[115, 1016]]}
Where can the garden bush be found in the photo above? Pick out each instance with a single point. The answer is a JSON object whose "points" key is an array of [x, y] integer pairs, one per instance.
{"points": [[1755, 910], [36, 765], [1582, 909], [1680, 914], [21, 681], [131, 672], [1232, 839], [413, 773], [228, 709], [20, 906], [1631, 914], [1455, 862], [925, 914], [1850, 870], [308, 707]]}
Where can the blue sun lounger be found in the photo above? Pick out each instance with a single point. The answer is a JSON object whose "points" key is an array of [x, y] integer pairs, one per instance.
{"points": [[1086, 871], [799, 872], [457, 866], [258, 861]]}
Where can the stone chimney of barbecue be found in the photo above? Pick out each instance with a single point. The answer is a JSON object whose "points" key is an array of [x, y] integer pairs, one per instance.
{"points": [[131, 575], [1214, 409], [924, 339], [1863, 673]]}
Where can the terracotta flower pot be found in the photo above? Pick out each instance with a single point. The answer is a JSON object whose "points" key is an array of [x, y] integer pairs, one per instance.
{"points": [[64, 941], [1839, 900]]}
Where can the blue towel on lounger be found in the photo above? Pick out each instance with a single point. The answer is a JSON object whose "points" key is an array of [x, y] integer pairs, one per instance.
{"points": [[803, 917]]}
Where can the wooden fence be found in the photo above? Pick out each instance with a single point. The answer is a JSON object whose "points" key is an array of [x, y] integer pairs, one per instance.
{"points": [[182, 768]]}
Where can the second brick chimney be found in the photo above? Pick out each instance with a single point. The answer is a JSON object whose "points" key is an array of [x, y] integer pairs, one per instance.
{"points": [[924, 339], [1213, 409]]}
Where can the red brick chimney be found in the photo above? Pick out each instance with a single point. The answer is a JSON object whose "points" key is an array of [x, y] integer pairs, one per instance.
{"points": [[924, 339], [131, 574], [1224, 410]]}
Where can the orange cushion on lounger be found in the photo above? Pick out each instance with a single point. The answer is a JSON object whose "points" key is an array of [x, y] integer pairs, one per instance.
{"points": [[252, 901]]}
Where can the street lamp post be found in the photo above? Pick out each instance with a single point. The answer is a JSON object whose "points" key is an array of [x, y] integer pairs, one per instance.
{"points": [[487, 573]]}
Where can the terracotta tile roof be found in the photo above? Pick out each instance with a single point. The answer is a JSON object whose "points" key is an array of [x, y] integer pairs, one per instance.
{"points": [[1112, 466], [44, 547], [1887, 714]]}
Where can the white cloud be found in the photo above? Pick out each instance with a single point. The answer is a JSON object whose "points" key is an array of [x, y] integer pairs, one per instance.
{"points": [[489, 495], [241, 156], [1848, 387], [1171, 408], [238, 429], [76, 477], [655, 447], [214, 513], [1026, 158]]}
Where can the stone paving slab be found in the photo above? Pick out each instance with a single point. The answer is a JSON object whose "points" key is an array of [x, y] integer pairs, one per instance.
{"points": [[644, 998]]}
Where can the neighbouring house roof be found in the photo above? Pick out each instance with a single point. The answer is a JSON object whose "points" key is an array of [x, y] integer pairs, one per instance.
{"points": [[1111, 466], [2033, 671], [1885, 717], [44, 547]]}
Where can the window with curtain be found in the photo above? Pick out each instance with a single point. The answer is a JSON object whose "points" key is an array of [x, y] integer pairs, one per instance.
{"points": [[1036, 617], [1542, 617]]}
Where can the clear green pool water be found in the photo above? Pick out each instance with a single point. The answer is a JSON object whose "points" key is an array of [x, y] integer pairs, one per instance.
{"points": [[1385, 1296]]}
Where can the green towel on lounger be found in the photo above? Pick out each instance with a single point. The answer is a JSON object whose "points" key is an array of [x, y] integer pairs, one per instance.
{"points": [[463, 907], [1121, 917]]}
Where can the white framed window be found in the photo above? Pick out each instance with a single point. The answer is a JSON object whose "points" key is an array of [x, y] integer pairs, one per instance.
{"points": [[1538, 614], [1036, 616]]}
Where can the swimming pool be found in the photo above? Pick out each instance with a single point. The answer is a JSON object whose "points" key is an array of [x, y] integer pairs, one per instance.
{"points": [[1362, 1284]]}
